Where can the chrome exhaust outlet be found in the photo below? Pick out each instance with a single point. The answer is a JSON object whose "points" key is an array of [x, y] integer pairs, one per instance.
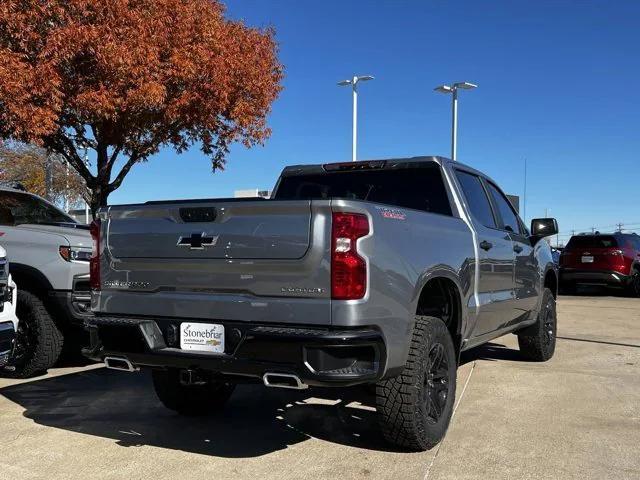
{"points": [[283, 380], [119, 363]]}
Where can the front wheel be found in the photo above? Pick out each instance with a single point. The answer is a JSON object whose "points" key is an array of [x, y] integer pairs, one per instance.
{"points": [[190, 400], [38, 339], [538, 341], [414, 408]]}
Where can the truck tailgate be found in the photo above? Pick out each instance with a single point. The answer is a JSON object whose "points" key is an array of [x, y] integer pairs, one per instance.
{"points": [[235, 230], [262, 260]]}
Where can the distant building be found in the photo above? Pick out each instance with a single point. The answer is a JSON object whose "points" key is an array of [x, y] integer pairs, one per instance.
{"points": [[252, 193], [81, 215]]}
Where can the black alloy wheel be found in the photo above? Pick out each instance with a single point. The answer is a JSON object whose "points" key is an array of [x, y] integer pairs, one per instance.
{"points": [[436, 383]]}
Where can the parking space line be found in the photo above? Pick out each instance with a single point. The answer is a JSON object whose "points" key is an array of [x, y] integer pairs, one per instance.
{"points": [[599, 341], [455, 408]]}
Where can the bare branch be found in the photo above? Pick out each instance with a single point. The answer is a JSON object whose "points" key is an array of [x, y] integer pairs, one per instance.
{"points": [[123, 173], [65, 147]]}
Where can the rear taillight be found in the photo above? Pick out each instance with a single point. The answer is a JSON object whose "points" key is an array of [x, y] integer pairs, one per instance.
{"points": [[348, 269], [94, 261]]}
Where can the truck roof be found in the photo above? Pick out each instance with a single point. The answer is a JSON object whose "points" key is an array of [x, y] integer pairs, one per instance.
{"points": [[310, 169], [306, 169], [377, 163]]}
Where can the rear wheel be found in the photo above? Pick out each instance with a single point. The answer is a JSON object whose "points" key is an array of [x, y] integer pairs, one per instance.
{"points": [[38, 339], [190, 399], [538, 341], [415, 408]]}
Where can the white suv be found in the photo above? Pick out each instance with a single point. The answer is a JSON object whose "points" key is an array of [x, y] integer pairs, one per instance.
{"points": [[8, 319]]}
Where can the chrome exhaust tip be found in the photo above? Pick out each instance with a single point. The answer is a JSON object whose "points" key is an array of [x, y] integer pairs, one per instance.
{"points": [[283, 380], [119, 363]]}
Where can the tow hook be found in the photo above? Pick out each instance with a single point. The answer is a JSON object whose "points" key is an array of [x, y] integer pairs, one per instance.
{"points": [[191, 377]]}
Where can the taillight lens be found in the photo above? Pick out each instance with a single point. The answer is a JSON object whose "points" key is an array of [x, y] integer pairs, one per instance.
{"points": [[94, 261], [348, 269]]}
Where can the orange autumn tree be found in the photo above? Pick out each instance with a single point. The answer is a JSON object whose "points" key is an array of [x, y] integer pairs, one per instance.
{"points": [[124, 78], [27, 165]]}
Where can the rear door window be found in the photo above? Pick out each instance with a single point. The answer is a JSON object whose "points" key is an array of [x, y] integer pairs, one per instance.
{"points": [[477, 199], [419, 188]]}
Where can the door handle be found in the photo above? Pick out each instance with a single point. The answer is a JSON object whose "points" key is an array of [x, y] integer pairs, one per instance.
{"points": [[486, 245], [517, 248]]}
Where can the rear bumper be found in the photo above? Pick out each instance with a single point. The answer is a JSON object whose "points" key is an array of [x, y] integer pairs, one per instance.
{"points": [[318, 356], [594, 277]]}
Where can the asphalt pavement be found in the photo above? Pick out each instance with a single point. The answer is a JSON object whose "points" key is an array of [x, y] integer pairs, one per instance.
{"points": [[576, 416]]}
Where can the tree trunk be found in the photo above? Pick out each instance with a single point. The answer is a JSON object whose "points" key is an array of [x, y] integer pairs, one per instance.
{"points": [[99, 196]]}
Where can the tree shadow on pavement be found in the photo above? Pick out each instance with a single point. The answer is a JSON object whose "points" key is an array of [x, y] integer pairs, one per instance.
{"points": [[255, 422]]}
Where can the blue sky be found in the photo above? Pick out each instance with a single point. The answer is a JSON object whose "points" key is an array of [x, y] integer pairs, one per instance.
{"points": [[558, 85]]}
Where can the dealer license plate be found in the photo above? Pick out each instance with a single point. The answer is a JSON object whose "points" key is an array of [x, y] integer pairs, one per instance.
{"points": [[587, 259], [202, 337]]}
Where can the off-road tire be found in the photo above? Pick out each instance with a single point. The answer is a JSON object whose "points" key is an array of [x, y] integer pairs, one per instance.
{"points": [[538, 341], [567, 288], [406, 404], [39, 340], [634, 285], [190, 400]]}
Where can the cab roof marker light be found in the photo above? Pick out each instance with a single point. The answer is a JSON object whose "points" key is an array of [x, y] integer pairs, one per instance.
{"points": [[342, 166]]}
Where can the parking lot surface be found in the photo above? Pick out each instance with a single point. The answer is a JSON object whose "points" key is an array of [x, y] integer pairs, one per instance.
{"points": [[577, 416]]}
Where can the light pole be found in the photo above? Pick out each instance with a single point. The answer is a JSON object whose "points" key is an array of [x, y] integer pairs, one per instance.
{"points": [[354, 87], [453, 90]]}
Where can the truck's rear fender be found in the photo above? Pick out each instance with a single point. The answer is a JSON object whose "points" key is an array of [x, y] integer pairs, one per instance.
{"points": [[405, 249]]}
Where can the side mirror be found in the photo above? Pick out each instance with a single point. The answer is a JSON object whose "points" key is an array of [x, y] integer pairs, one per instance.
{"points": [[543, 227]]}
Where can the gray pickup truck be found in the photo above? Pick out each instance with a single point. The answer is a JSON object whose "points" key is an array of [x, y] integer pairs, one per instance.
{"points": [[373, 272]]}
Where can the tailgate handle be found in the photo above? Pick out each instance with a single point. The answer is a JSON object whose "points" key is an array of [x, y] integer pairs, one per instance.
{"points": [[198, 214]]}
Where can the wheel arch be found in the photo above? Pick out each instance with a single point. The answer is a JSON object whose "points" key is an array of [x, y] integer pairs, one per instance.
{"points": [[440, 296], [551, 281], [29, 278]]}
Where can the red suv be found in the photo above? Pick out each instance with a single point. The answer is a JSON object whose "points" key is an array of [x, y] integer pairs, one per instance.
{"points": [[612, 260]]}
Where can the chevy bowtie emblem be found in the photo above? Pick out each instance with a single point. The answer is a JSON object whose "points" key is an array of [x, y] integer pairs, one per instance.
{"points": [[197, 241]]}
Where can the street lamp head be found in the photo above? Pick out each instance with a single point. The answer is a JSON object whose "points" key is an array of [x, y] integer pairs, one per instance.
{"points": [[465, 85], [444, 89], [344, 82]]}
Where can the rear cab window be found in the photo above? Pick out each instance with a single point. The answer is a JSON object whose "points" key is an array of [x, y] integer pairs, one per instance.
{"points": [[592, 241], [419, 188]]}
